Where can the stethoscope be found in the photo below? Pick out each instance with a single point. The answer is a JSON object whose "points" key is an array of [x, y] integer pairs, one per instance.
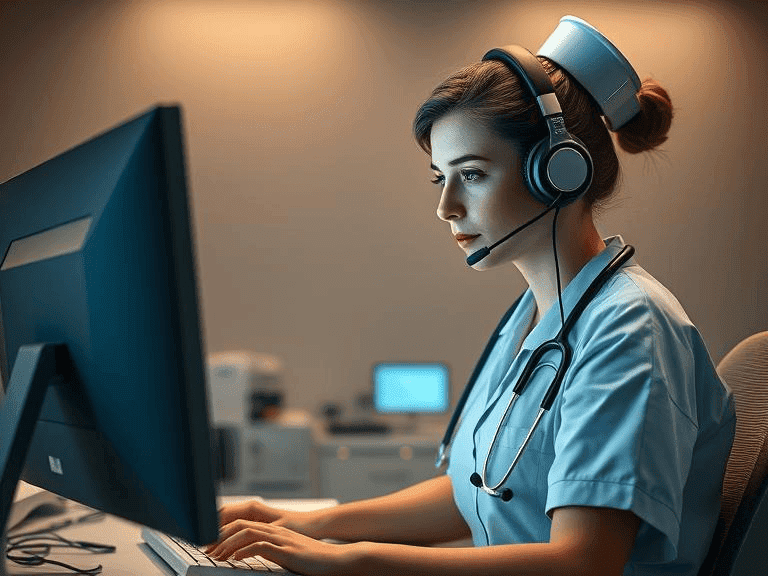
{"points": [[558, 343]]}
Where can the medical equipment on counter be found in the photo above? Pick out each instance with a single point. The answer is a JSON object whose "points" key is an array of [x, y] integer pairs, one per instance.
{"points": [[244, 386], [261, 447], [273, 458]]}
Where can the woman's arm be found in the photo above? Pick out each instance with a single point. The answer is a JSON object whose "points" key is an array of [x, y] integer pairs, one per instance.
{"points": [[584, 541], [421, 514]]}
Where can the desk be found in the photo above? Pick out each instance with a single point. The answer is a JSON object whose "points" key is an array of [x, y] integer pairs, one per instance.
{"points": [[132, 556]]}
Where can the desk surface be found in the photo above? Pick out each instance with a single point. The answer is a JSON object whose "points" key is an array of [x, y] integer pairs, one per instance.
{"points": [[132, 556]]}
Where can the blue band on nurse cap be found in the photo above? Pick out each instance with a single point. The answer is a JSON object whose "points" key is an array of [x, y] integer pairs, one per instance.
{"points": [[598, 66]]}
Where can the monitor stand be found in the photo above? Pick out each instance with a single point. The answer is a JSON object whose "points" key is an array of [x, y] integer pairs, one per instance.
{"points": [[36, 366]]}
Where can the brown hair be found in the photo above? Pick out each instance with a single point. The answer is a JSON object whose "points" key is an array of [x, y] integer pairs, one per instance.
{"points": [[491, 94]]}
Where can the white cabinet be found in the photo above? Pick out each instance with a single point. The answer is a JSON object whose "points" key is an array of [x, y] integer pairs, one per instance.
{"points": [[356, 467]]}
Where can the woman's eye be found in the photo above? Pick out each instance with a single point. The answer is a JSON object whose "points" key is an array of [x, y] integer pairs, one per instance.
{"points": [[471, 175], [466, 175]]}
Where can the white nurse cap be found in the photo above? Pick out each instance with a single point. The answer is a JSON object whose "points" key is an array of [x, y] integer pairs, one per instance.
{"points": [[598, 66]]}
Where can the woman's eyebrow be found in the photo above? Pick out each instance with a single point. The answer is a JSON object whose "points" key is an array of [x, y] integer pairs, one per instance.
{"points": [[461, 159]]}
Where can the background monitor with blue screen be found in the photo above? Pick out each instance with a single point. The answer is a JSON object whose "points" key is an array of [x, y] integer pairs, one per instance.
{"points": [[101, 351], [410, 388]]}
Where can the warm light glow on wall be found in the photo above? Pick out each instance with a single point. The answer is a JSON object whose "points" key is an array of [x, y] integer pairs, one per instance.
{"points": [[278, 49]]}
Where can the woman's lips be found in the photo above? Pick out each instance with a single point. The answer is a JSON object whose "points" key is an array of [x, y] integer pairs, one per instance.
{"points": [[466, 238]]}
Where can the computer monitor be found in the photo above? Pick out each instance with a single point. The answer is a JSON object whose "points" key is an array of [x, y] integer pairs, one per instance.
{"points": [[100, 334], [410, 387]]}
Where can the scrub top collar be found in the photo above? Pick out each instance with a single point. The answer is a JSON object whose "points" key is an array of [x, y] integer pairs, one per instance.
{"points": [[550, 324]]}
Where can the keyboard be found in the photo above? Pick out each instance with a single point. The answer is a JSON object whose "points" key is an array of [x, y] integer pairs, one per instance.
{"points": [[188, 560]]}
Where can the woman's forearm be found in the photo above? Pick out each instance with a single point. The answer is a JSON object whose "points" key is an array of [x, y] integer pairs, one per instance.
{"points": [[421, 514], [537, 559]]}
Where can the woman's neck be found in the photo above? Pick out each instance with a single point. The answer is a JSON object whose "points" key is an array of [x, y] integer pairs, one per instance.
{"points": [[577, 243]]}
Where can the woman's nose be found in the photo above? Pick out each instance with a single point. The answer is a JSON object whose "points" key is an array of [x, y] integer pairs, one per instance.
{"points": [[449, 207]]}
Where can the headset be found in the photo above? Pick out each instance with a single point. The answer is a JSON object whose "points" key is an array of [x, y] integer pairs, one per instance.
{"points": [[558, 169]]}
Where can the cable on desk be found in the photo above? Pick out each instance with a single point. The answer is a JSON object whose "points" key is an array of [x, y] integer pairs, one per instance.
{"points": [[36, 545]]}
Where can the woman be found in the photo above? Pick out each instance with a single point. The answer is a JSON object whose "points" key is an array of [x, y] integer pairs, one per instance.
{"points": [[623, 473]]}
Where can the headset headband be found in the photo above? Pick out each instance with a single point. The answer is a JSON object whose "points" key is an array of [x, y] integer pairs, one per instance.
{"points": [[598, 66], [558, 169], [529, 70]]}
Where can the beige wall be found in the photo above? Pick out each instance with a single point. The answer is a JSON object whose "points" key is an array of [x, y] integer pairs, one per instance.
{"points": [[315, 221]]}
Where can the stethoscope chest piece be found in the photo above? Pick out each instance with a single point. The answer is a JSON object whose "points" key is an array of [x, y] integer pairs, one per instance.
{"points": [[506, 494]]}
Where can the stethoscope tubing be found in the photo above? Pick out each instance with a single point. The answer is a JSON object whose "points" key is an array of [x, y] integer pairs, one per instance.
{"points": [[559, 342]]}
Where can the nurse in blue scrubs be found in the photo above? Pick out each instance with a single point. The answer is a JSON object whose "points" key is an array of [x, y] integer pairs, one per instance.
{"points": [[621, 472]]}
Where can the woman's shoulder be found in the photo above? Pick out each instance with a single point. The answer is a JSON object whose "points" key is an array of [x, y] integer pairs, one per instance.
{"points": [[636, 312], [636, 294], [636, 317]]}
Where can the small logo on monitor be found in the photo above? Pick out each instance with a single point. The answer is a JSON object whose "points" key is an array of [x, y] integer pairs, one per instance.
{"points": [[55, 464]]}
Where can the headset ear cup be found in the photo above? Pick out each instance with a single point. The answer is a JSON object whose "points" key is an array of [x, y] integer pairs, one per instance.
{"points": [[569, 160], [531, 168], [571, 169]]}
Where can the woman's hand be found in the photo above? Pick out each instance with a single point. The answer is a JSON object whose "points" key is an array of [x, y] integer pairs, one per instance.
{"points": [[291, 550], [256, 511]]}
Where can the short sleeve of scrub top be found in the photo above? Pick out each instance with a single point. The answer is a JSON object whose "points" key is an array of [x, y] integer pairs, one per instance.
{"points": [[642, 423]]}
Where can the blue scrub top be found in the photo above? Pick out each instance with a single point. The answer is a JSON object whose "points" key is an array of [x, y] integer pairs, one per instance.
{"points": [[642, 422]]}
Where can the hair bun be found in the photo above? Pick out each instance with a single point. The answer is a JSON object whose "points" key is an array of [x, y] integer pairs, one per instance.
{"points": [[649, 128]]}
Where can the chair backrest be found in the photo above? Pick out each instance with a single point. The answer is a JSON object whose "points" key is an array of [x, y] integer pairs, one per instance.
{"points": [[745, 370]]}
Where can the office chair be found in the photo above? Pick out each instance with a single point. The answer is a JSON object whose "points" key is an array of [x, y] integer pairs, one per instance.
{"points": [[740, 544]]}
